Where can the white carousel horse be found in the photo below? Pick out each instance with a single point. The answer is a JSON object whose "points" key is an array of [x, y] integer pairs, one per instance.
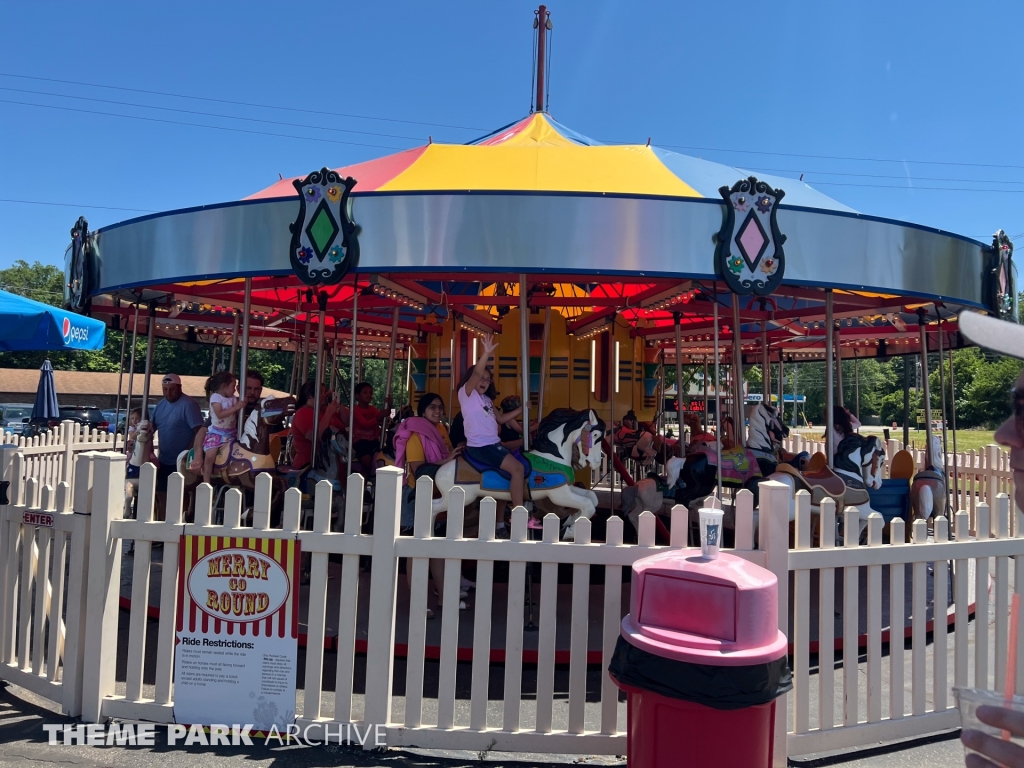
{"points": [[765, 433], [859, 462], [929, 486], [551, 471]]}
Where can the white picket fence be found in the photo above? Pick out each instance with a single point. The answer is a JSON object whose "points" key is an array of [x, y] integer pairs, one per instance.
{"points": [[79, 673], [50, 456]]}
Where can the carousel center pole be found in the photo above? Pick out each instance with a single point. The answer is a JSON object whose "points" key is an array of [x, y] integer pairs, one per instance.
{"points": [[244, 363], [524, 351], [922, 328], [352, 371], [829, 396], [131, 378], [391, 370], [942, 389], [679, 371], [718, 404], [739, 431]]}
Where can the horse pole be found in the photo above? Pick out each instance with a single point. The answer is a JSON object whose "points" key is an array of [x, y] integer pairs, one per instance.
{"points": [[120, 381], [322, 301], [839, 367], [544, 363], [150, 329], [391, 370], [942, 388], [524, 351], [352, 371], [679, 371], [718, 406], [234, 343], [244, 362], [829, 397], [131, 379], [766, 365], [952, 414], [737, 375], [922, 330], [705, 399]]}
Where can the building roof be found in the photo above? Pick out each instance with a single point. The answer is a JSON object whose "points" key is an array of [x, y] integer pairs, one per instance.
{"points": [[26, 380]]}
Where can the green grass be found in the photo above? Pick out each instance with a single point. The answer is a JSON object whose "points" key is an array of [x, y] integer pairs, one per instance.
{"points": [[966, 439]]}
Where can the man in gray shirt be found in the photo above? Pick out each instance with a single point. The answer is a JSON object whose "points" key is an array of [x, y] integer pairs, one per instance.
{"points": [[176, 419]]}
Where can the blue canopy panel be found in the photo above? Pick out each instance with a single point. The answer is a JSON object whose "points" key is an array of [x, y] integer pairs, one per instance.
{"points": [[706, 177], [27, 325]]}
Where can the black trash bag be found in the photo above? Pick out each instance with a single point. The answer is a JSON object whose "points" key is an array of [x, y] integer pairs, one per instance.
{"points": [[712, 686]]}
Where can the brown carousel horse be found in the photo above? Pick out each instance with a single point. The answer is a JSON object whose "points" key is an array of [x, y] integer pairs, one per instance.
{"points": [[239, 462]]}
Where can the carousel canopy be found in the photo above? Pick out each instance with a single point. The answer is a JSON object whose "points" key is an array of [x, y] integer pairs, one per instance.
{"points": [[538, 154]]}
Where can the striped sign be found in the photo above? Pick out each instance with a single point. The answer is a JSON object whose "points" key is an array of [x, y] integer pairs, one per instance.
{"points": [[237, 631]]}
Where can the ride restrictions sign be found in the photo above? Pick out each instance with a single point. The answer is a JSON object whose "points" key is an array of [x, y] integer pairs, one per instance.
{"points": [[237, 631]]}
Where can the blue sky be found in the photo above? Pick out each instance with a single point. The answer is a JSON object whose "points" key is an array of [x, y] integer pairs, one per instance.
{"points": [[876, 103]]}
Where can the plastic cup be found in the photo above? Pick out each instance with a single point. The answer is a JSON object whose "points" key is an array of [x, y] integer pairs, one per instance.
{"points": [[969, 699], [710, 532]]}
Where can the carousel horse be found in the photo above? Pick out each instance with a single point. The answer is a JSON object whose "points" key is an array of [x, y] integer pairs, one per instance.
{"points": [[928, 488], [765, 434], [696, 476], [238, 462], [859, 461], [548, 468]]}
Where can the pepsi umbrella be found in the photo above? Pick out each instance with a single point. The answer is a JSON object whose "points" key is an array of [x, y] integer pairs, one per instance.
{"points": [[27, 325], [46, 395]]}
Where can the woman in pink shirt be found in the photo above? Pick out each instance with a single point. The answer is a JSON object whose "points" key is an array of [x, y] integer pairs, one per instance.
{"points": [[483, 446]]}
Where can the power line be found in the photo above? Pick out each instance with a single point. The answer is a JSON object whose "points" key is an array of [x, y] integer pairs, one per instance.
{"points": [[198, 125], [211, 114], [75, 205], [239, 103]]}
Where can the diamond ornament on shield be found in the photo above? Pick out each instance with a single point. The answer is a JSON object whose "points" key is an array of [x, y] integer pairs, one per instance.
{"points": [[752, 241], [324, 244]]}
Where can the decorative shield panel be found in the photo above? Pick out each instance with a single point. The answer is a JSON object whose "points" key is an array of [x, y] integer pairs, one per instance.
{"points": [[325, 244], [1004, 273], [748, 252]]}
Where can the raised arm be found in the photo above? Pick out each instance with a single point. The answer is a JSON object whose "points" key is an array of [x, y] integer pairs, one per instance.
{"points": [[481, 364]]}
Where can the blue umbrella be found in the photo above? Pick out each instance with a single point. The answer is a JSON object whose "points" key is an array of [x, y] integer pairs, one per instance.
{"points": [[31, 325], [46, 395]]}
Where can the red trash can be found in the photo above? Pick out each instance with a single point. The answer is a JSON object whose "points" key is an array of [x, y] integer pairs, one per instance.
{"points": [[702, 660]]}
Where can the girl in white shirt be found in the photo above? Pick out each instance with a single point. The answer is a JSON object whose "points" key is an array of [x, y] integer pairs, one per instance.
{"points": [[476, 394], [224, 407]]}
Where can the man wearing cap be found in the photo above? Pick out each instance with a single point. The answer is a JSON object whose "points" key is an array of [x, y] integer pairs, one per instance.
{"points": [[176, 419]]}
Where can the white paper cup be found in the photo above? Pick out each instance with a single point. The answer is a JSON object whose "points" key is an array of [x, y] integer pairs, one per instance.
{"points": [[710, 532], [969, 699]]}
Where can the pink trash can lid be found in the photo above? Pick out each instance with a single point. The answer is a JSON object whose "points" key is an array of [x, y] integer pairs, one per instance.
{"points": [[721, 612]]}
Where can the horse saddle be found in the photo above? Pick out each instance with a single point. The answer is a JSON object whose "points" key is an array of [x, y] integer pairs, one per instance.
{"points": [[540, 474], [821, 483], [233, 459]]}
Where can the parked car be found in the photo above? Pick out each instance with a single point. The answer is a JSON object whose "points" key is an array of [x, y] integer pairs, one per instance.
{"points": [[14, 417], [110, 414], [89, 416]]}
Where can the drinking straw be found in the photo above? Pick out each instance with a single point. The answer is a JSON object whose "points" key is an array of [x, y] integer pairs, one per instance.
{"points": [[1011, 657]]}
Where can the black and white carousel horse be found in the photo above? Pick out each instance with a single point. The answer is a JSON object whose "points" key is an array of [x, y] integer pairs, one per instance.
{"points": [[765, 433], [548, 465]]}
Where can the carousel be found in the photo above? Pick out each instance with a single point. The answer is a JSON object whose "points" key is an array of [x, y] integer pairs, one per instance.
{"points": [[595, 268]]}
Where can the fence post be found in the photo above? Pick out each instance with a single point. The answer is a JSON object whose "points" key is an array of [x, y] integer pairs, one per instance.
{"points": [[74, 644], [776, 500], [381, 624], [104, 582], [11, 469], [67, 435]]}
